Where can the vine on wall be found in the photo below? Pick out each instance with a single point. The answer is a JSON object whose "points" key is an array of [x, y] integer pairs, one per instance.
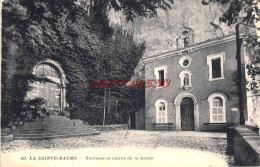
{"points": [[36, 30]]}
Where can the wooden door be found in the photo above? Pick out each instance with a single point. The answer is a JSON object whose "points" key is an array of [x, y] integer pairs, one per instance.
{"points": [[187, 114], [50, 92]]}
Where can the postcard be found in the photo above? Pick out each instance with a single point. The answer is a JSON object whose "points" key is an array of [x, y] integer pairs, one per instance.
{"points": [[129, 83]]}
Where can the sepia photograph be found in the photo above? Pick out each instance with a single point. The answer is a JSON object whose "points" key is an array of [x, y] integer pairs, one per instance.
{"points": [[129, 83]]}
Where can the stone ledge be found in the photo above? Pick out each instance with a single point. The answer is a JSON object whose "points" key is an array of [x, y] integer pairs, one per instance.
{"points": [[216, 127], [229, 124], [111, 127], [244, 144], [162, 126], [252, 138], [7, 138]]}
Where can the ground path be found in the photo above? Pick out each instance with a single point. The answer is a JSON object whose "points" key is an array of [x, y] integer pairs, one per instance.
{"points": [[151, 148]]}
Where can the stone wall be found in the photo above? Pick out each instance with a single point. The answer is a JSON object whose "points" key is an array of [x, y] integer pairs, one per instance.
{"points": [[244, 144], [140, 119]]}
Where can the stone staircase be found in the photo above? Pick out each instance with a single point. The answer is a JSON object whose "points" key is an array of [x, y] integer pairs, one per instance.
{"points": [[51, 128]]}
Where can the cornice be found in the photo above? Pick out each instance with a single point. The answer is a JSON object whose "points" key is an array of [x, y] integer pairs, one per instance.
{"points": [[189, 49]]}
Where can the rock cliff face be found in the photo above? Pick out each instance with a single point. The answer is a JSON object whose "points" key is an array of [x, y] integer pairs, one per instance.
{"points": [[160, 33]]}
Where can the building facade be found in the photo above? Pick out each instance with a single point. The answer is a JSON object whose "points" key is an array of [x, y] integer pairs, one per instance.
{"points": [[202, 94]]}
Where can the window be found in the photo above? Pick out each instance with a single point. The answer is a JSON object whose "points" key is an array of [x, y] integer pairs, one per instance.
{"points": [[185, 61], [160, 74], [185, 38], [185, 78], [161, 111], [46, 70], [161, 115], [161, 77], [217, 108], [216, 67]]}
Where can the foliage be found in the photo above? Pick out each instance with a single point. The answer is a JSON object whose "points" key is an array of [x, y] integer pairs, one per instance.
{"points": [[130, 8], [245, 13], [36, 103], [14, 93], [119, 57], [36, 30]]}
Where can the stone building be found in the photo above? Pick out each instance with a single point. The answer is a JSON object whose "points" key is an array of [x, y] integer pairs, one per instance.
{"points": [[202, 94]]}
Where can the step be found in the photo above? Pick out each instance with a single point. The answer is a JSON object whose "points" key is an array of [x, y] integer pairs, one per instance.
{"points": [[55, 119], [39, 126], [52, 131], [49, 127], [55, 136], [51, 124], [52, 128]]}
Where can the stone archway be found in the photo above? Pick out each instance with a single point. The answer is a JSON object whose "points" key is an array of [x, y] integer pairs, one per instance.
{"points": [[54, 93], [177, 103]]}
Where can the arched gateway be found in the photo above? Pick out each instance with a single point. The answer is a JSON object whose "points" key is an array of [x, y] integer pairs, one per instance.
{"points": [[187, 111], [53, 92]]}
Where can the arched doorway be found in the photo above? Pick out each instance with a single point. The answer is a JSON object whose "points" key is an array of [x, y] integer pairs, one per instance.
{"points": [[187, 101], [187, 114], [53, 92]]}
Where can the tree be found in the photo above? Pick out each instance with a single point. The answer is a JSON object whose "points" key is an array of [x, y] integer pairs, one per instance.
{"points": [[36, 30], [130, 8], [244, 14], [120, 56]]}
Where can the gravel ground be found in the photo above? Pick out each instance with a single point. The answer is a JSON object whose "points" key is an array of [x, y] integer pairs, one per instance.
{"points": [[125, 138], [121, 139]]}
